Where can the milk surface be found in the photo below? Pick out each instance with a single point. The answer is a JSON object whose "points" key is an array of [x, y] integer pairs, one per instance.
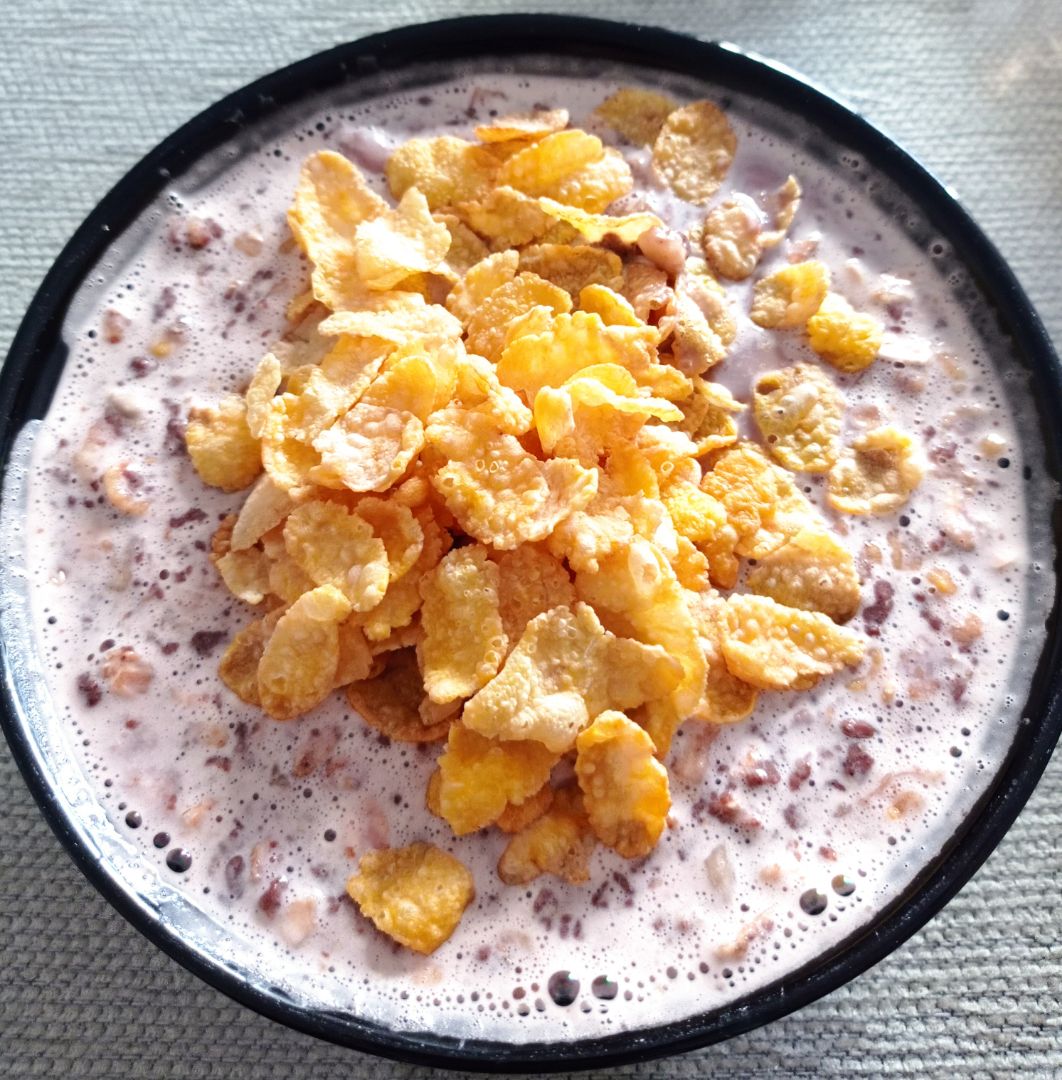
{"points": [[789, 831]]}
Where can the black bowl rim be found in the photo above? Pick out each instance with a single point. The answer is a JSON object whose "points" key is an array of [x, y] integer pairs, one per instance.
{"points": [[36, 349]]}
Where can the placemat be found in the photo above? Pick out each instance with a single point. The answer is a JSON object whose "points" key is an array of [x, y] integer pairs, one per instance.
{"points": [[973, 87]]}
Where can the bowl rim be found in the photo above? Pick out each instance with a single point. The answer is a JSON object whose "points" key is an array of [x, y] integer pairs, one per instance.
{"points": [[36, 356]]}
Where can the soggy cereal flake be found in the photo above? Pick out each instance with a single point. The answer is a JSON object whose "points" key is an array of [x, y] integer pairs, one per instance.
{"points": [[238, 668], [726, 699], [409, 385], [490, 273], [814, 571], [702, 325], [694, 150], [625, 789], [298, 667], [413, 320], [515, 818], [539, 169], [464, 642], [562, 672], [762, 503], [799, 411], [368, 449], [446, 169], [260, 393], [613, 308], [844, 337], [595, 227], [398, 528], [559, 843], [499, 493], [646, 286], [574, 342], [637, 114], [786, 203], [415, 894], [507, 218], [335, 547], [534, 125], [390, 701], [708, 416], [479, 777], [530, 581], [487, 325], [355, 654], [732, 237], [639, 586], [224, 452], [570, 267], [877, 475], [400, 242], [786, 299], [246, 574], [774, 647]]}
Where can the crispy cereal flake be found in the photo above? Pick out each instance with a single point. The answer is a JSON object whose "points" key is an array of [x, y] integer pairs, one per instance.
{"points": [[368, 449], [534, 125], [446, 169], [224, 452], [786, 299], [846, 338], [637, 114], [694, 150], [400, 242]]}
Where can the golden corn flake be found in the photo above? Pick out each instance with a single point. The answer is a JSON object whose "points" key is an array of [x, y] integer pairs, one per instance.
{"points": [[877, 475], [530, 581], [694, 150], [368, 449], [479, 777], [488, 274], [559, 842], [732, 237], [464, 642], [775, 647], [415, 894], [625, 789], [762, 502], [390, 702], [265, 507], [789, 297], [702, 325], [486, 327], [595, 227], [400, 242], [646, 286], [538, 123], [466, 248], [497, 491], [708, 416], [446, 169], [562, 672], [515, 818], [799, 411], [507, 218], [613, 308], [288, 580], [261, 391], [639, 585], [410, 320], [246, 574], [238, 669], [696, 514], [356, 659], [727, 699], [224, 452], [398, 528], [335, 547], [637, 114], [570, 268], [595, 186], [298, 666], [846, 338], [587, 536], [539, 169], [479, 392], [814, 571], [786, 203], [409, 385]]}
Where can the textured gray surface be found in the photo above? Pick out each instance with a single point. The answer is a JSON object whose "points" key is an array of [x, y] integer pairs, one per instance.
{"points": [[974, 88]]}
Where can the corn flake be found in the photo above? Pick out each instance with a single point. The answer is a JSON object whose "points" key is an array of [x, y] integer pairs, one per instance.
{"points": [[507, 218], [646, 286], [530, 581], [595, 186], [409, 385], [490, 273], [843, 337], [595, 227], [415, 894], [775, 647], [298, 666], [224, 452], [877, 475], [789, 297], [625, 789], [637, 114], [238, 669], [559, 843], [727, 699], [486, 327], [368, 449], [814, 571], [515, 818], [263, 387], [390, 702], [571, 267], [538, 123], [799, 411], [400, 242], [246, 574], [480, 777], [356, 661], [446, 169], [694, 150], [732, 237], [398, 528], [540, 169]]}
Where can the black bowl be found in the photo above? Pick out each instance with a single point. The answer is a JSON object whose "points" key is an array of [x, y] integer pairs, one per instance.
{"points": [[929, 210]]}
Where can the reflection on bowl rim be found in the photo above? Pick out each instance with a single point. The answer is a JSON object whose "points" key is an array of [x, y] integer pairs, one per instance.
{"points": [[37, 350]]}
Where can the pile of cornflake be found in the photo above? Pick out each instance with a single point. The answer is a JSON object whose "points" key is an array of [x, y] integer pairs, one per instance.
{"points": [[497, 500]]}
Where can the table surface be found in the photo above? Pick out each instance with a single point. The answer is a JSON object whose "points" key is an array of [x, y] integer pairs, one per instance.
{"points": [[973, 87]]}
